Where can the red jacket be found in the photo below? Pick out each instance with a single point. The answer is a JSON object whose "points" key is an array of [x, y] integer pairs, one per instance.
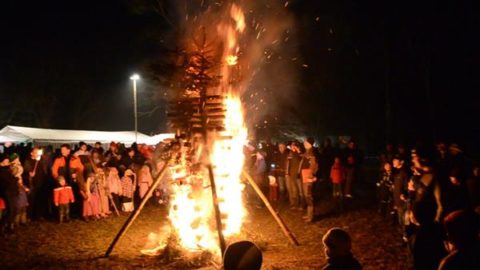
{"points": [[63, 195], [337, 174]]}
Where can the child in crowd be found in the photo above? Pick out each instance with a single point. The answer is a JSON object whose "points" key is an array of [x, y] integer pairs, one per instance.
{"points": [[22, 200], [128, 188], [338, 245], [91, 198], [337, 175], [103, 192], [62, 197], [2, 207], [384, 189], [144, 180], [114, 186]]}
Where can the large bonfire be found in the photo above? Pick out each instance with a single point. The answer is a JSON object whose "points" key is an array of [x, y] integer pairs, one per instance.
{"points": [[192, 212]]}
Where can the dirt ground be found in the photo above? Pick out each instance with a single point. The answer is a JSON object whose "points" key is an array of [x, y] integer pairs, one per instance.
{"points": [[80, 245]]}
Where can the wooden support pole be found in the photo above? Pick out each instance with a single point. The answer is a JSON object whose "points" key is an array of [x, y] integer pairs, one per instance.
{"points": [[277, 218], [216, 208], [137, 211]]}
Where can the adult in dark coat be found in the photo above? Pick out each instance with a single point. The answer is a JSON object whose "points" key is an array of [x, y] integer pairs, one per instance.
{"points": [[294, 182], [462, 230], [279, 168], [327, 156], [36, 177], [9, 192], [400, 181], [427, 242], [454, 191], [309, 169]]}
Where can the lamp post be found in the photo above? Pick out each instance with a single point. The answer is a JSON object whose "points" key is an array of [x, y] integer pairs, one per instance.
{"points": [[134, 78]]}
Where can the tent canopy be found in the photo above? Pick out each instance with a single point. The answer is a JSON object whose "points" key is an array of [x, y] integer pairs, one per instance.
{"points": [[56, 136]]}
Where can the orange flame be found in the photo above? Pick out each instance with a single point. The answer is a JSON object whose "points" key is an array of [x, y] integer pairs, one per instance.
{"points": [[191, 210], [231, 60]]}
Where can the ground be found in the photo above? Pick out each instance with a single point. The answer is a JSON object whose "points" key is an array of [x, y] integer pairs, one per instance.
{"points": [[81, 245]]}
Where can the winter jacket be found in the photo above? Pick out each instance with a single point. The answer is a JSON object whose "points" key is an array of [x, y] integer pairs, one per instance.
{"points": [[337, 174], [58, 167], [63, 195]]}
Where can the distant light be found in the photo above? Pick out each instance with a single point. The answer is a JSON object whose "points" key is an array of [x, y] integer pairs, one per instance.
{"points": [[135, 77]]}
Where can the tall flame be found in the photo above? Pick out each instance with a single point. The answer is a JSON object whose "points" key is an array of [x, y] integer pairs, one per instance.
{"points": [[191, 210]]}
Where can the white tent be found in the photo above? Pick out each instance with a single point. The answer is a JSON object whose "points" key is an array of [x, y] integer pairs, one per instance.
{"points": [[59, 136], [155, 139]]}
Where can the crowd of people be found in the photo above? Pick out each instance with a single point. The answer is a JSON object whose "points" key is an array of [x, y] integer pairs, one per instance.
{"points": [[425, 189], [432, 194], [88, 182], [432, 197], [293, 171]]}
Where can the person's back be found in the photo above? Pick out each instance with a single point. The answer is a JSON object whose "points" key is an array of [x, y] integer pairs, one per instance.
{"points": [[462, 231], [242, 255], [337, 244], [427, 243]]}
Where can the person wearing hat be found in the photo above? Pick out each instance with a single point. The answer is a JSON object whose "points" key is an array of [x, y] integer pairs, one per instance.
{"points": [[309, 168], [338, 249], [9, 192]]}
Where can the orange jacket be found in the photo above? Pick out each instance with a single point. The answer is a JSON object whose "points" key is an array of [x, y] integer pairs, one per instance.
{"points": [[59, 162], [63, 195], [337, 174]]}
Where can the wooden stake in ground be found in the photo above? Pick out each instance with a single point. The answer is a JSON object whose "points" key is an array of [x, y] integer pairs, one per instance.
{"points": [[277, 218], [137, 211], [218, 220]]}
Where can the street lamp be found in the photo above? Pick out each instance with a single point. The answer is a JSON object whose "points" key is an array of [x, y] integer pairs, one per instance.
{"points": [[134, 78]]}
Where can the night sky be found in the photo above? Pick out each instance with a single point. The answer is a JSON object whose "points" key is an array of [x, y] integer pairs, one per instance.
{"points": [[358, 64]]}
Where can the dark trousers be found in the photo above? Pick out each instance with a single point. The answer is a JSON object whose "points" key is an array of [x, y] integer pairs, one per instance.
{"points": [[308, 193], [64, 212], [11, 210], [116, 201]]}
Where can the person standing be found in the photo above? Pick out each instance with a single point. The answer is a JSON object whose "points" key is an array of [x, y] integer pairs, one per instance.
{"points": [[260, 176], [309, 168], [294, 182], [36, 176], [71, 168], [145, 180], [337, 175], [8, 191], [280, 168], [128, 189], [62, 197], [400, 181]]}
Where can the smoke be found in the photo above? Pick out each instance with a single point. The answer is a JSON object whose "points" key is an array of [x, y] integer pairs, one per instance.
{"points": [[266, 53]]}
